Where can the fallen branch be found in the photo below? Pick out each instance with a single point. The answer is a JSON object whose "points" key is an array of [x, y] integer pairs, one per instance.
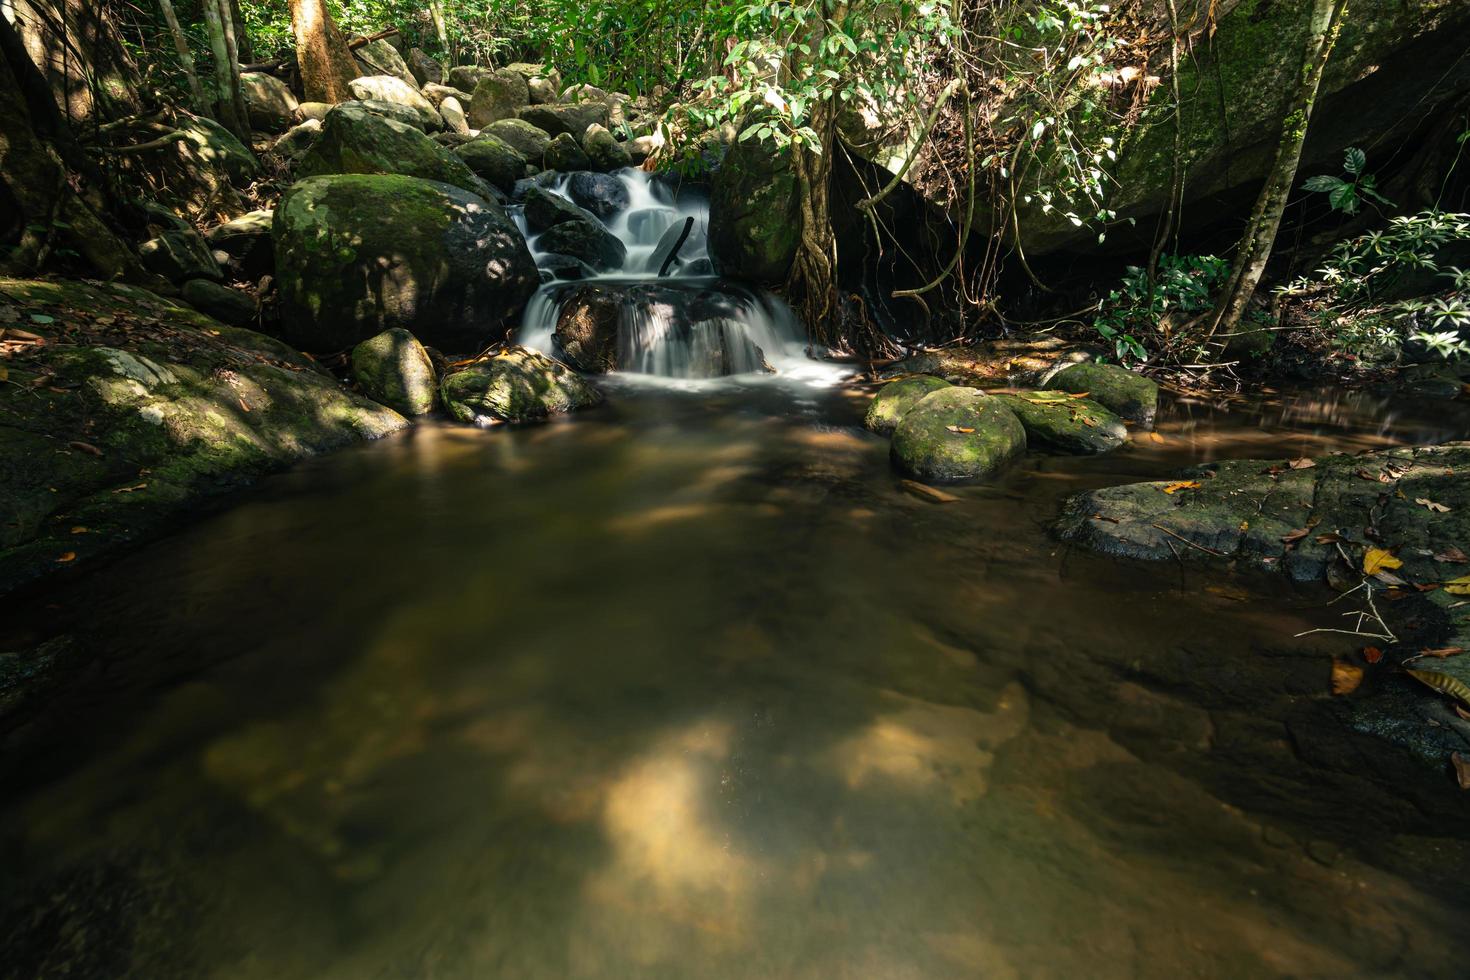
{"points": [[175, 137]]}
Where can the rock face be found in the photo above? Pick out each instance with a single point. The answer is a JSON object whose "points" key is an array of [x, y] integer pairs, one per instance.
{"points": [[354, 140], [585, 239], [527, 140], [388, 88], [179, 254], [587, 329], [393, 369], [269, 102], [498, 96], [563, 154], [570, 119], [494, 160], [516, 385], [603, 149], [894, 399], [170, 415], [426, 70], [957, 434], [359, 254], [1066, 424], [753, 218], [1123, 392], [601, 194]]}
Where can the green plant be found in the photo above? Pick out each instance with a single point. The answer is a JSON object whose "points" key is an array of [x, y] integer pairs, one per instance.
{"points": [[1347, 195], [1139, 309]]}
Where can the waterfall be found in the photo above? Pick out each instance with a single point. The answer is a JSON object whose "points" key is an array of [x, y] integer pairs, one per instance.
{"points": [[689, 323]]}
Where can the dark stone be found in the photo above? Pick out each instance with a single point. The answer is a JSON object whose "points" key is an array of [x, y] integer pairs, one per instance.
{"points": [[544, 209], [221, 302], [602, 194], [585, 239]]}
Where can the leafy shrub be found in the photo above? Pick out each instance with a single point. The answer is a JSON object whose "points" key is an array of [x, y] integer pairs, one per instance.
{"points": [[1184, 286]]}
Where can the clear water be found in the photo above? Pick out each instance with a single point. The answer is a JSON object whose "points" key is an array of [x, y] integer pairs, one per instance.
{"points": [[690, 686]]}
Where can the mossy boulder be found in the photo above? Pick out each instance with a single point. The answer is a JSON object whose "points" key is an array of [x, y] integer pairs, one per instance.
{"points": [[1063, 423], [753, 214], [380, 58], [247, 241], [386, 88], [494, 160], [227, 305], [527, 140], [516, 385], [570, 119], [269, 102], [1126, 393], [499, 95], [178, 255], [147, 409], [295, 141], [957, 434], [564, 154], [357, 254], [894, 399], [604, 150], [466, 77], [544, 209], [585, 239], [354, 140], [393, 369], [215, 147]]}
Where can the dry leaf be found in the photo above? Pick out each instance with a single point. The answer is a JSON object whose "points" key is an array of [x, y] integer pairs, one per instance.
{"points": [[1180, 485], [959, 428], [1331, 537], [1462, 768], [1345, 677], [1155, 437], [140, 486], [1452, 555], [1372, 654], [78, 530], [1431, 506], [1301, 464], [1292, 537], [85, 447], [1442, 652], [1377, 559], [67, 556], [927, 492], [1458, 586]]}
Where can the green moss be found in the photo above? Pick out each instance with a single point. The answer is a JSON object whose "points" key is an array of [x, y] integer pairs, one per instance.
{"points": [[895, 399], [957, 434]]}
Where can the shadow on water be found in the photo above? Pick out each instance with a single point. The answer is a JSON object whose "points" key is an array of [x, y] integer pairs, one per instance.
{"points": [[689, 686]]}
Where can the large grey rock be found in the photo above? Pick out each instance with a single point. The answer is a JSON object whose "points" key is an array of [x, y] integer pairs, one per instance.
{"points": [[269, 102], [380, 57], [221, 302], [541, 90], [544, 209], [601, 194], [355, 140], [393, 369], [585, 239], [498, 96], [358, 254], [957, 434], [493, 160], [388, 88], [516, 385], [426, 70], [452, 112], [466, 77], [529, 141], [570, 119], [603, 149], [438, 93]]}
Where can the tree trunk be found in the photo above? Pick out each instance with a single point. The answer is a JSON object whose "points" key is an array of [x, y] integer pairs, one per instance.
{"points": [[186, 58], [228, 14], [436, 12], [243, 49], [812, 281], [226, 74], [1260, 234], [91, 76], [326, 63]]}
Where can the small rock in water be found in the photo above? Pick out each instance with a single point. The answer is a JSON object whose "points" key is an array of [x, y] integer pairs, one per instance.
{"points": [[515, 385], [1117, 389], [602, 194], [393, 369], [894, 400], [957, 434], [1066, 423]]}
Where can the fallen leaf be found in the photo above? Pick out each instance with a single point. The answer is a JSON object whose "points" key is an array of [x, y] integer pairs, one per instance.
{"points": [[1462, 711], [1431, 506], [1345, 677], [1372, 654], [67, 556], [1452, 555], [1292, 537], [1388, 578], [85, 447], [1103, 517], [927, 492], [1462, 768], [1331, 537], [1245, 526], [1180, 485], [1379, 477], [1155, 437], [1301, 464], [140, 486], [1442, 652], [1377, 559], [1458, 586], [78, 530]]}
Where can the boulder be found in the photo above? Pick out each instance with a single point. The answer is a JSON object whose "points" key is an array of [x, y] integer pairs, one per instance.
{"points": [[494, 160], [753, 224], [544, 209], [295, 141], [570, 119], [227, 305], [380, 58], [894, 399], [1063, 423], [1123, 392], [957, 434], [438, 93], [426, 70], [544, 180], [640, 148], [585, 239], [601, 194], [516, 385], [452, 112], [564, 267], [393, 369], [217, 148], [498, 96], [527, 140], [387, 88], [358, 254], [355, 140], [587, 328], [603, 149], [313, 110], [565, 155], [541, 91], [691, 249], [389, 110], [466, 77], [178, 255], [269, 102], [246, 240]]}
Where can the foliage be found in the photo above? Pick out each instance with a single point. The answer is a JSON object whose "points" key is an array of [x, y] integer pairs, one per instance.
{"points": [[1347, 195], [1137, 311]]}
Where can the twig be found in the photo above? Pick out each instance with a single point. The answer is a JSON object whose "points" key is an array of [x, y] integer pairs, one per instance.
{"points": [[1208, 551]]}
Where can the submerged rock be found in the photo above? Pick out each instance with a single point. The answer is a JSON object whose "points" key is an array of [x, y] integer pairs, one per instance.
{"points": [[1124, 392], [894, 399], [516, 385], [393, 369], [1066, 424], [957, 434], [354, 140], [357, 254]]}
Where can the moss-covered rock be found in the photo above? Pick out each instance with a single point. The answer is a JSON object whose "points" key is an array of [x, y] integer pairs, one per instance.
{"points": [[148, 408], [527, 140], [1123, 392], [178, 255], [388, 88], [268, 100], [1067, 424], [354, 140], [499, 95], [570, 119], [603, 149], [516, 385], [957, 434], [358, 254], [494, 160], [585, 239], [247, 241], [753, 224], [466, 77], [380, 58], [894, 399], [216, 147], [393, 369], [564, 154], [228, 305]]}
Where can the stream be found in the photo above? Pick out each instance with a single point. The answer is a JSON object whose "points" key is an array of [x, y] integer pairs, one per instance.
{"points": [[689, 685]]}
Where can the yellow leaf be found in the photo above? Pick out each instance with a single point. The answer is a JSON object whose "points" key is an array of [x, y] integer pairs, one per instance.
{"points": [[1431, 506], [1155, 437], [1377, 559], [1458, 586], [1181, 485], [1345, 677]]}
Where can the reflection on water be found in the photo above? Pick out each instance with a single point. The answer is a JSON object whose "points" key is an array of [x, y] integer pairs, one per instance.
{"points": [[689, 687]]}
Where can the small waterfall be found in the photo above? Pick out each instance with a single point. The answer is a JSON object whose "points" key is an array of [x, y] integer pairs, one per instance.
{"points": [[688, 323]]}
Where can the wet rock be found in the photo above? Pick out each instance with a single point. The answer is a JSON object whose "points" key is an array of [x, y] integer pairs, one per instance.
{"points": [[494, 160], [931, 441], [753, 220], [387, 88], [545, 179], [601, 194], [691, 248], [1064, 424], [247, 240], [452, 112], [529, 141], [294, 143], [565, 155], [381, 59], [894, 399], [572, 120], [227, 305], [585, 239], [358, 254], [516, 385], [269, 102], [603, 149], [355, 140], [393, 369], [544, 209], [498, 96], [179, 254], [426, 70], [1126, 393], [565, 267], [587, 328]]}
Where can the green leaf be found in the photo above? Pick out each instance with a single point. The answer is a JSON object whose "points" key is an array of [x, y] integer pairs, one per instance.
{"points": [[1324, 183], [1355, 161], [1345, 199]]}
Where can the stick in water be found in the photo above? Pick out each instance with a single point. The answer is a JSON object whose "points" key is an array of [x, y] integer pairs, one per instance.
{"points": [[663, 270]]}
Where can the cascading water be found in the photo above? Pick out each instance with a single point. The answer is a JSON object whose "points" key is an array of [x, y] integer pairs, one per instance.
{"points": [[686, 323]]}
